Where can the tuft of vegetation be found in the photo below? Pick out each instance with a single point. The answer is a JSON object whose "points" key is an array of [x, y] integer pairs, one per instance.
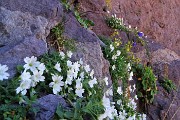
{"points": [[168, 85]]}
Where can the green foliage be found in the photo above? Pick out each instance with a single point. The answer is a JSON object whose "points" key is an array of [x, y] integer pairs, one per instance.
{"points": [[60, 41], [116, 23], [86, 23], [10, 109], [168, 85], [146, 83]]}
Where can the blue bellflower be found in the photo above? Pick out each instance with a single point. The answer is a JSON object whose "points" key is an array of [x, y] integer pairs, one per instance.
{"points": [[140, 34]]}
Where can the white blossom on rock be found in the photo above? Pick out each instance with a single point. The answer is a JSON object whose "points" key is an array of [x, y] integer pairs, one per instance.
{"points": [[106, 81], [62, 54], [87, 68], [56, 84], [3, 73], [119, 90], [37, 77], [113, 67], [69, 54], [58, 67], [31, 63], [41, 67], [111, 47], [92, 82]]}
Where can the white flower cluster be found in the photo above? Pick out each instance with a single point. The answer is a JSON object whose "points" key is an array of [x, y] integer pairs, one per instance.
{"points": [[118, 53], [117, 20], [3, 72], [76, 73], [110, 110], [32, 74]]}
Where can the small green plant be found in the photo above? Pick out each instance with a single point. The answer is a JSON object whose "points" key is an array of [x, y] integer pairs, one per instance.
{"points": [[59, 41], [168, 85], [86, 23], [146, 83]]}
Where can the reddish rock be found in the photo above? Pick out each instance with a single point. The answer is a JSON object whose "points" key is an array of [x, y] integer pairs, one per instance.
{"points": [[159, 19]]}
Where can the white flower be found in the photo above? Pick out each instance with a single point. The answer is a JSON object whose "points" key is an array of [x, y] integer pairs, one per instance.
{"points": [[106, 102], [41, 67], [79, 92], [80, 61], [25, 76], [106, 80], [62, 54], [143, 116], [113, 67], [92, 82], [82, 75], [130, 89], [109, 92], [130, 76], [119, 102], [69, 90], [24, 85], [135, 97], [118, 53], [91, 73], [3, 73], [129, 66], [111, 47], [76, 66], [57, 83], [31, 63], [69, 54], [87, 68], [134, 87], [132, 104], [114, 57], [58, 67], [110, 111], [119, 90], [69, 80], [69, 63], [36, 77], [122, 115]]}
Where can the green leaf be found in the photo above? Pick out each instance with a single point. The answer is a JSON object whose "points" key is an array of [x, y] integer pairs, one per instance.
{"points": [[69, 114], [59, 111], [20, 68]]}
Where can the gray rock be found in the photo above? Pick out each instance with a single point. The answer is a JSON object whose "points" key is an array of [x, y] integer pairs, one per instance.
{"points": [[24, 26], [88, 47], [14, 54], [47, 106]]}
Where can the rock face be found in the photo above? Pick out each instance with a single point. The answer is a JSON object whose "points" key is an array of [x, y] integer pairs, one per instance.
{"points": [[166, 105], [24, 26], [88, 46], [158, 19]]}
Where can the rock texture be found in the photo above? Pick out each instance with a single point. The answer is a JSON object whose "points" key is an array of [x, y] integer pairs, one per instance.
{"points": [[88, 46], [166, 105], [159, 19], [24, 26], [47, 106]]}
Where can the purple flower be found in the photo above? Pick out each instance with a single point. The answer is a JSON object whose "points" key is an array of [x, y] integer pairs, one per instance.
{"points": [[141, 34], [134, 44]]}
